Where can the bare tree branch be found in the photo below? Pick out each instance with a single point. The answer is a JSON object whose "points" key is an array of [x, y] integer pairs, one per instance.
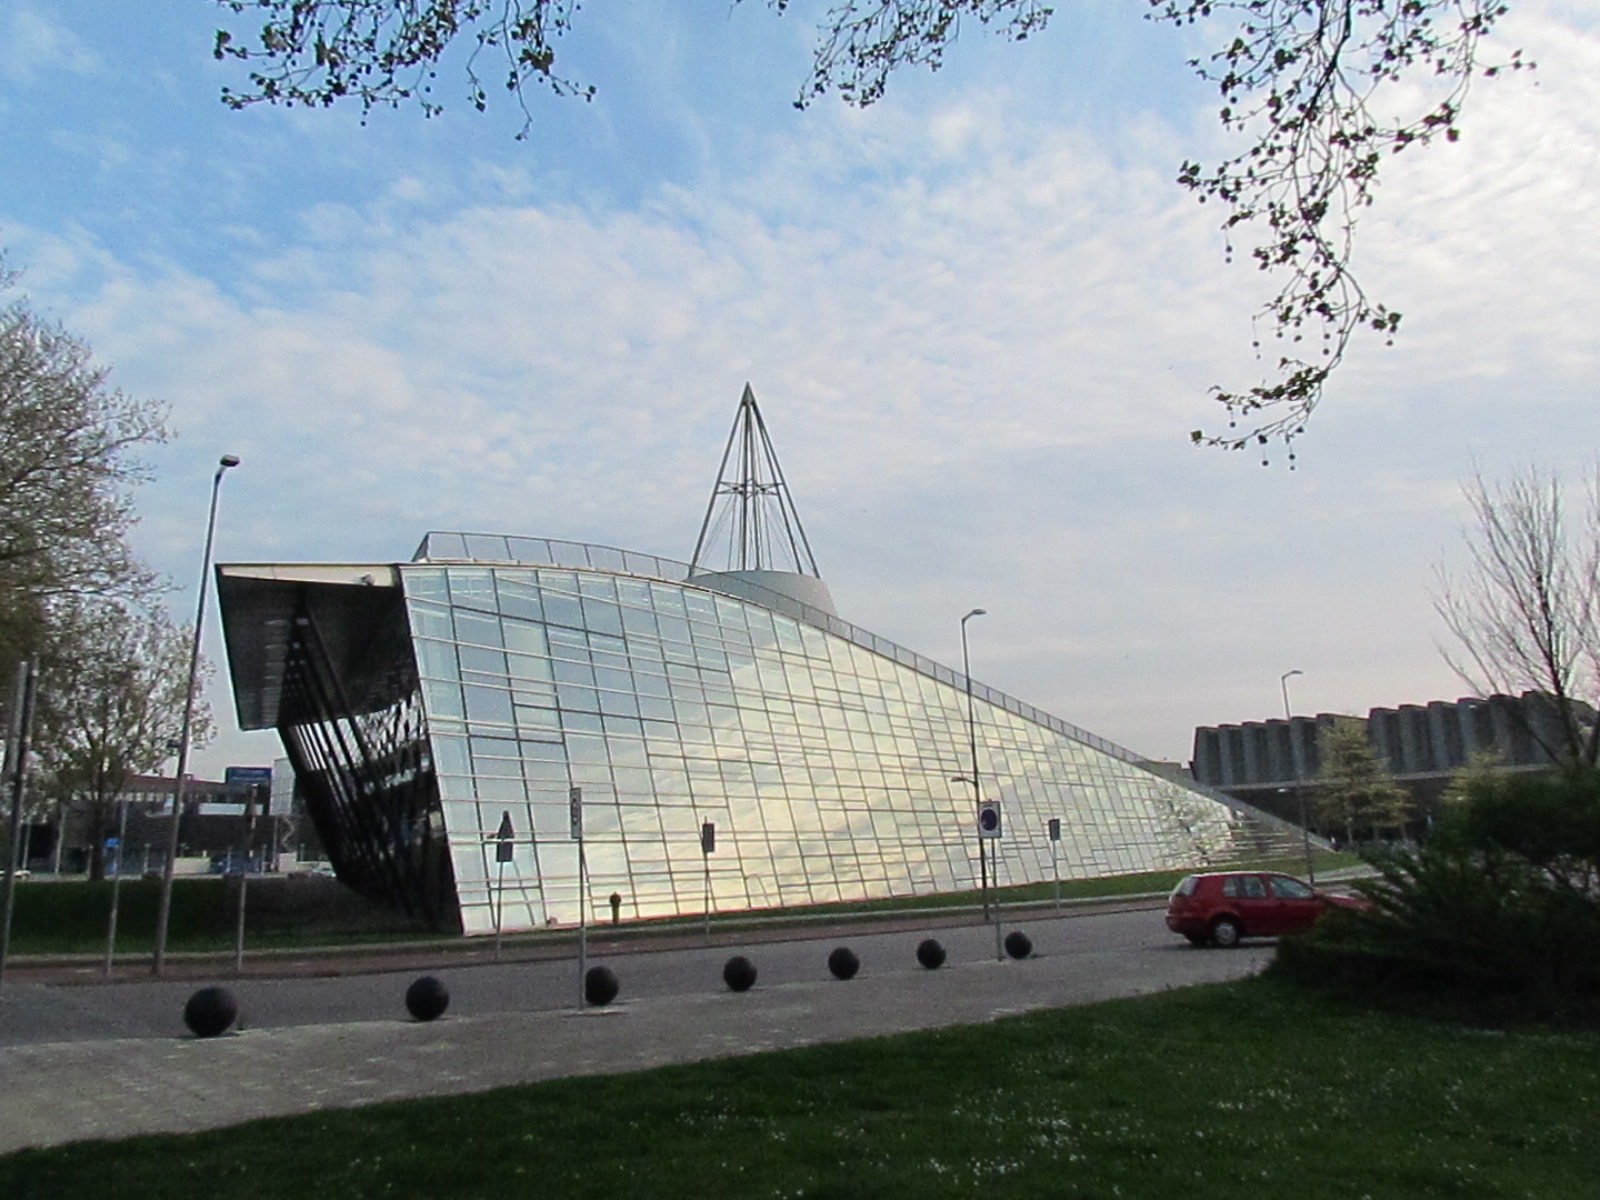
{"points": [[1300, 80], [1525, 613]]}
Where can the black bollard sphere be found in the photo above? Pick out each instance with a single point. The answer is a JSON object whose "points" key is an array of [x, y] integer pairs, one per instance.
{"points": [[600, 986], [210, 1011], [1018, 944], [930, 953], [843, 963], [739, 973], [427, 998]]}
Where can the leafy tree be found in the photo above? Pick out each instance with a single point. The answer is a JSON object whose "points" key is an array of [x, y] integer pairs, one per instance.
{"points": [[66, 475], [1525, 613], [72, 595], [1356, 790], [111, 702], [1303, 80], [1481, 766]]}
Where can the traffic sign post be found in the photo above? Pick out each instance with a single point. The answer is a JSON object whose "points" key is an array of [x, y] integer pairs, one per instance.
{"points": [[575, 816], [243, 778], [708, 843], [504, 851], [116, 882], [1055, 861], [989, 827]]}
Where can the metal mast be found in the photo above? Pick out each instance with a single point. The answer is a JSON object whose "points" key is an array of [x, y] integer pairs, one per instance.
{"points": [[751, 511]]}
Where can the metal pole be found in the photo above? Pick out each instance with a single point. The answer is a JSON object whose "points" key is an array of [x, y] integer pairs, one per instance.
{"points": [[1294, 765], [583, 923], [164, 912], [244, 883], [972, 744], [116, 887], [27, 686], [499, 906]]}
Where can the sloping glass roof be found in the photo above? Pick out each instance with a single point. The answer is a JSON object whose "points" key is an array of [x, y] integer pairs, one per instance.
{"points": [[448, 547]]}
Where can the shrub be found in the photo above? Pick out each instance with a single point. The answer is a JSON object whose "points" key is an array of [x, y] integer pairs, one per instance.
{"points": [[1501, 909]]}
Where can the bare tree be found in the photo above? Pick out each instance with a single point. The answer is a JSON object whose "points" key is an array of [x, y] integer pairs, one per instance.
{"points": [[110, 706], [66, 474], [1525, 613], [1312, 84]]}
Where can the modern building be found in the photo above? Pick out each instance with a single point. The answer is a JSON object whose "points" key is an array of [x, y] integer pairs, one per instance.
{"points": [[452, 720]]}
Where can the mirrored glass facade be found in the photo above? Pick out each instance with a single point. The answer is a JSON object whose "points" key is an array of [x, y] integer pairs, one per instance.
{"points": [[824, 756], [826, 766]]}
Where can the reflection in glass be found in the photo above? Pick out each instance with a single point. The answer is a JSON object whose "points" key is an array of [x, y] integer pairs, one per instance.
{"points": [[824, 763]]}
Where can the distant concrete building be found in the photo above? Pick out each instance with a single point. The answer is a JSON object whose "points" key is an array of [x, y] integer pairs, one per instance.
{"points": [[213, 826], [1421, 745]]}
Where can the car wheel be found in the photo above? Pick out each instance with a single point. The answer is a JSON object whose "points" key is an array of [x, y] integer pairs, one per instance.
{"points": [[1226, 932]]}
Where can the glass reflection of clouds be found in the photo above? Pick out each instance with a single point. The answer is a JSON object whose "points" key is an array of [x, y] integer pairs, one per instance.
{"points": [[822, 753]]}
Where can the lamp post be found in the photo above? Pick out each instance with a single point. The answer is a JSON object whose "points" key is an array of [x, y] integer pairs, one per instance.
{"points": [[164, 912], [1294, 763], [972, 745]]}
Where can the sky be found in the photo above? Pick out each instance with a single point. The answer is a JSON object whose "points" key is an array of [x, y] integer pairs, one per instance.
{"points": [[980, 317]]}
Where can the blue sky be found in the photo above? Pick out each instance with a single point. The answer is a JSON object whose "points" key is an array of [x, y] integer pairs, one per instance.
{"points": [[980, 318]]}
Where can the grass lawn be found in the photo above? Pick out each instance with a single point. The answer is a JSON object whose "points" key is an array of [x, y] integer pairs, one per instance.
{"points": [[70, 916], [1239, 1090], [1134, 884]]}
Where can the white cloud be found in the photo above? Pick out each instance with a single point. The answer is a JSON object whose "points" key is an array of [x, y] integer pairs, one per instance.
{"points": [[32, 44], [980, 339]]}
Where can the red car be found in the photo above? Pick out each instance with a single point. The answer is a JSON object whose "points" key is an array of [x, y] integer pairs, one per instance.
{"points": [[1221, 908]]}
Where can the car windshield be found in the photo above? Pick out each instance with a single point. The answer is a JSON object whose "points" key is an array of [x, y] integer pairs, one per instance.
{"points": [[1186, 885]]}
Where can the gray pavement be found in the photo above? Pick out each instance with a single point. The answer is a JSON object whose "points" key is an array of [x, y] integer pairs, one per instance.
{"points": [[114, 1060]]}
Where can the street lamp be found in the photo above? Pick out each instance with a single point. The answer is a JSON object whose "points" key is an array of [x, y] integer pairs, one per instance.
{"points": [[972, 744], [164, 913], [1294, 764]]}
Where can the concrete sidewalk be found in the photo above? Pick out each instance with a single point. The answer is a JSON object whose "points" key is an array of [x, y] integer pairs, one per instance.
{"points": [[113, 1087]]}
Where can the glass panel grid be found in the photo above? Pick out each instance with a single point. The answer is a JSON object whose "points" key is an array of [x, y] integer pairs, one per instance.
{"points": [[825, 764]]}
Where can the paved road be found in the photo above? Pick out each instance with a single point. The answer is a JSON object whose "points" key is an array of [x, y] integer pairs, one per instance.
{"points": [[115, 1060]]}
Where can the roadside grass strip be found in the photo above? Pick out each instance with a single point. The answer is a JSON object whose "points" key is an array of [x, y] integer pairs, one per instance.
{"points": [[70, 916], [1242, 1089]]}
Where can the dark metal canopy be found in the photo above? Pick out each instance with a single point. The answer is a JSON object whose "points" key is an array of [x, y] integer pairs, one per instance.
{"points": [[359, 617]]}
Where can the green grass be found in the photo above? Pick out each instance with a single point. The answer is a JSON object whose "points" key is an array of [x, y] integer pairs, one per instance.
{"points": [[70, 916], [1248, 1089], [1150, 881], [1111, 886]]}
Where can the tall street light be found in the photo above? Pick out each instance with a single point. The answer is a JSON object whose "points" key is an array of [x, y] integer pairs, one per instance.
{"points": [[972, 744], [1294, 764], [164, 913]]}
